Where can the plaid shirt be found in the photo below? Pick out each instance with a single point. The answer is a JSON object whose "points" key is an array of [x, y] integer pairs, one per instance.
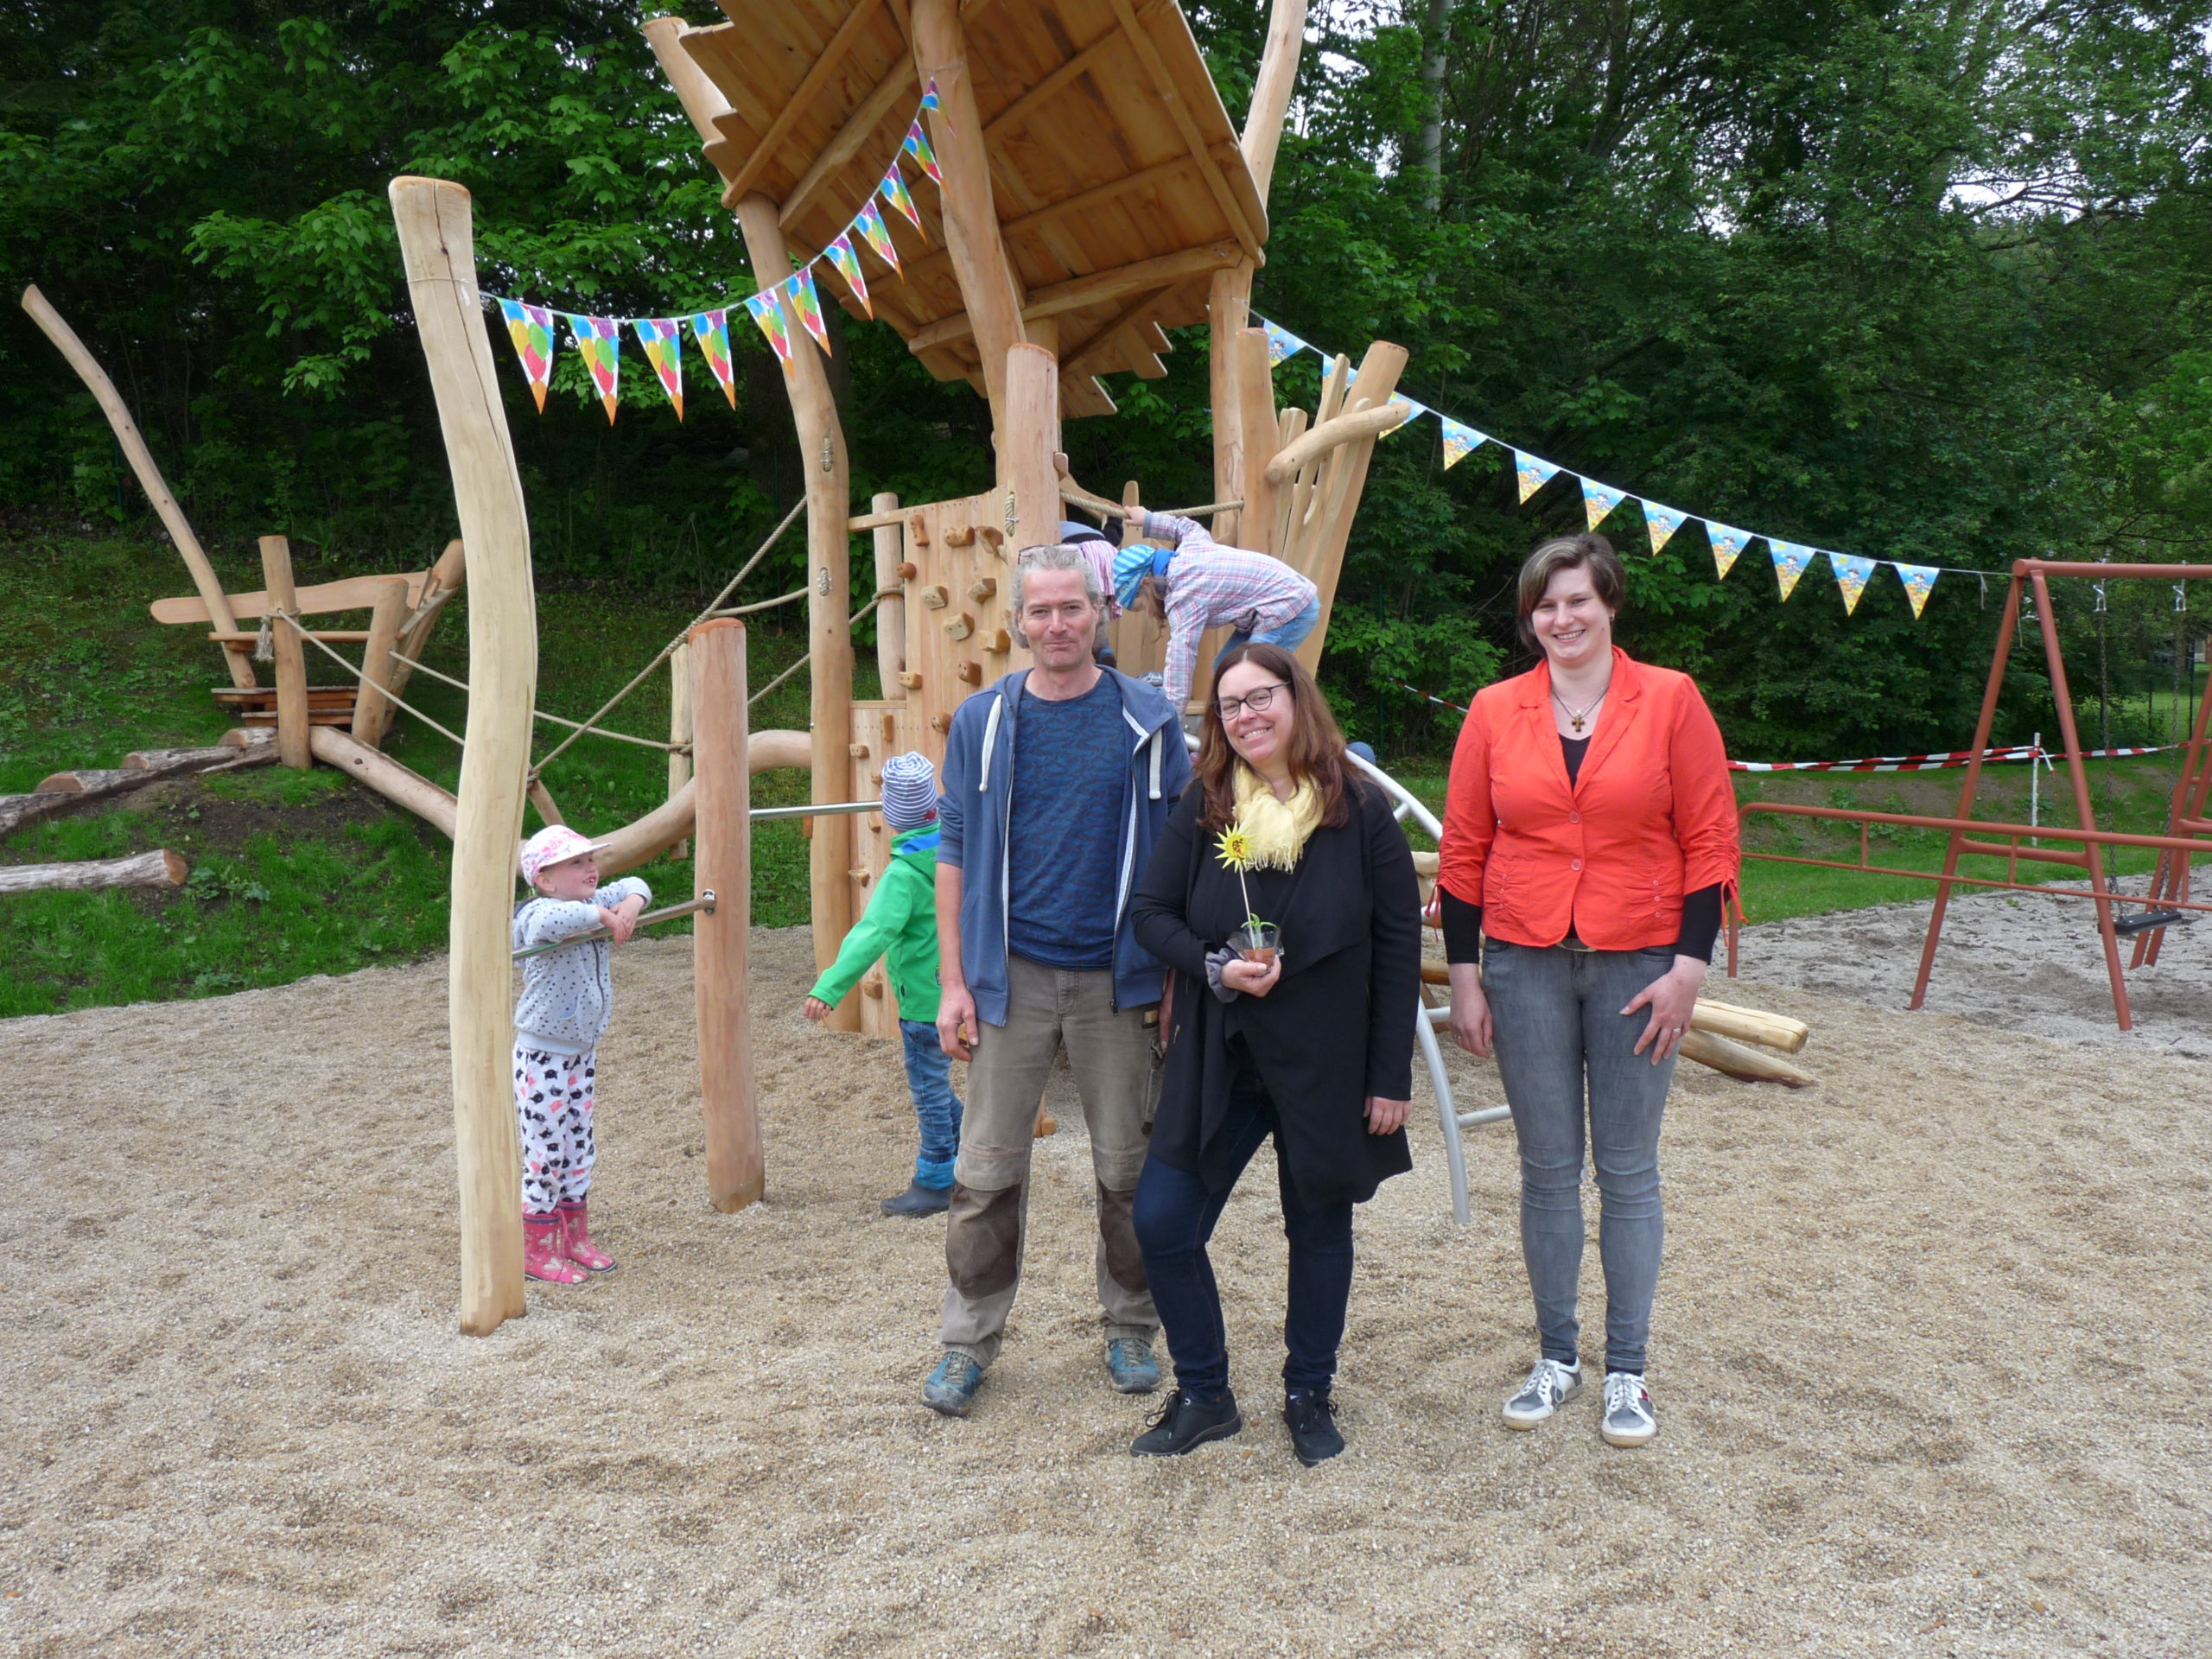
{"points": [[1212, 586]]}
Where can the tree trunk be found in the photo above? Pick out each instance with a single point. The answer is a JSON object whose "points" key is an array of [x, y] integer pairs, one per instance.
{"points": [[160, 868]]}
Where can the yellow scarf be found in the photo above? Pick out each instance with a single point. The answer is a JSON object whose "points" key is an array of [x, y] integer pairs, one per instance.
{"points": [[1277, 829]]}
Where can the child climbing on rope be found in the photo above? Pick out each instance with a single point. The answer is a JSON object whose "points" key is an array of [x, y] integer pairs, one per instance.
{"points": [[1199, 584], [900, 926], [566, 999]]}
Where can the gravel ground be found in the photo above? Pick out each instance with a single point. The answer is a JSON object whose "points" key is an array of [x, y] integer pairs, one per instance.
{"points": [[1929, 1361]]}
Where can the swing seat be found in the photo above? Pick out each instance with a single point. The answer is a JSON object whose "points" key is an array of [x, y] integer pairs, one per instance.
{"points": [[2144, 920]]}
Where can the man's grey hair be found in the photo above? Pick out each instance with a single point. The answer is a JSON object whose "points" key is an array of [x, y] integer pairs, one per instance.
{"points": [[1057, 557]]}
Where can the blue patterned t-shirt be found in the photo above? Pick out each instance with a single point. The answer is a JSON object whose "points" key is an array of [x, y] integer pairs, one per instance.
{"points": [[1070, 775]]}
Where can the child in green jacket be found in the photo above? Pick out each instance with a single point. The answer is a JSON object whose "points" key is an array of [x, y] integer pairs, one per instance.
{"points": [[900, 926]]}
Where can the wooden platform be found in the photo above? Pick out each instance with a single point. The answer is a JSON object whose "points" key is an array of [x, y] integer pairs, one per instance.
{"points": [[1114, 218], [256, 705]]}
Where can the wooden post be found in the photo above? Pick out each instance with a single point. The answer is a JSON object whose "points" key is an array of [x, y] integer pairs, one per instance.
{"points": [[1227, 308], [437, 247], [1255, 376], [679, 730], [828, 596], [149, 476], [291, 653], [987, 280], [722, 795], [1028, 433], [372, 710], [891, 609], [1340, 491]]}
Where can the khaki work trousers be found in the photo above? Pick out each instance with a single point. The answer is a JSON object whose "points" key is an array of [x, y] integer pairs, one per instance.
{"points": [[1117, 1080]]}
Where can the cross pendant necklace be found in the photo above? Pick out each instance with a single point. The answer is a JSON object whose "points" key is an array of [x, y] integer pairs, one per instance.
{"points": [[1575, 717]]}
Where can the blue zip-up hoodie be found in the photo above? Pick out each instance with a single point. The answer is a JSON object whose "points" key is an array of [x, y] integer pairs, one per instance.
{"points": [[978, 800]]}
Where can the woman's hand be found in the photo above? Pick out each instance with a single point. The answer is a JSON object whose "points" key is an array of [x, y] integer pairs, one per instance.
{"points": [[1672, 999], [1386, 1116], [1252, 978], [1471, 1027]]}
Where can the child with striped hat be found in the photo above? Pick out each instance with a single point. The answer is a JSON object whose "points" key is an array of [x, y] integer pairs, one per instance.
{"points": [[900, 926]]}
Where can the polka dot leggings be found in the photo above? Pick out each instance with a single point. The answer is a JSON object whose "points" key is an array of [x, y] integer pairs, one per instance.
{"points": [[553, 1102]]}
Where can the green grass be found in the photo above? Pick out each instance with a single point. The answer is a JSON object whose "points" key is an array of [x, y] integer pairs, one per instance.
{"points": [[299, 872]]}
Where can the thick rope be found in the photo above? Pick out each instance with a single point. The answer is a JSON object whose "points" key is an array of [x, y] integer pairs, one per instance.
{"points": [[669, 650], [359, 675], [764, 604], [888, 593], [539, 713]]}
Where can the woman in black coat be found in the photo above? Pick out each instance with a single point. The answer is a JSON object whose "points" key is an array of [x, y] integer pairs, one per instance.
{"points": [[1314, 1047]]}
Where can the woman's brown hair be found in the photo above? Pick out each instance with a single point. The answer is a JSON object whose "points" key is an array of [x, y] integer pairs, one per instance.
{"points": [[1317, 744]]}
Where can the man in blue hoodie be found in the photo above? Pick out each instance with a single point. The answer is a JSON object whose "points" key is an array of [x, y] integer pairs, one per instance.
{"points": [[1058, 781]]}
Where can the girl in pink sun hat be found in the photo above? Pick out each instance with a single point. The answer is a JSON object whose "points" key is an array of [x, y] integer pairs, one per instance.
{"points": [[568, 996]]}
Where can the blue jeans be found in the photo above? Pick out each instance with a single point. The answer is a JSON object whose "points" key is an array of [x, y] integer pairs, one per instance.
{"points": [[936, 1109], [1175, 1216], [1289, 636], [1563, 1049]]}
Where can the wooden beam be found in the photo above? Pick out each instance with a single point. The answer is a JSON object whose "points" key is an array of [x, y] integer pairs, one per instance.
{"points": [[291, 655], [159, 868], [694, 89], [722, 844], [437, 247], [679, 726], [1029, 436], [891, 608], [1082, 202], [1227, 309], [1271, 91], [748, 175], [402, 786], [988, 286], [1163, 82], [1332, 433], [320, 598], [1095, 288], [219, 612], [372, 710], [1091, 357], [1053, 81], [860, 126], [1252, 374]]}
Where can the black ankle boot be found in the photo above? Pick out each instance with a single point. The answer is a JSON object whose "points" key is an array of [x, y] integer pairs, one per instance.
{"points": [[1311, 1415], [1183, 1424]]}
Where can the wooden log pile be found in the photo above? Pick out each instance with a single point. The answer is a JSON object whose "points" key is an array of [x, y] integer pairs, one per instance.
{"points": [[159, 868]]}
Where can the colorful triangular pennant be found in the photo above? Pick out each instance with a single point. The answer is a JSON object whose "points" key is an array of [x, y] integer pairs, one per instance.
{"points": [[1727, 546], [770, 316], [839, 254], [711, 332], [930, 101], [599, 342], [663, 339], [798, 289], [894, 190], [1661, 524], [530, 327], [870, 223], [1851, 575], [1414, 409], [1790, 561], [1533, 471], [1598, 501], [1282, 344], [1919, 581], [1460, 440], [917, 144]]}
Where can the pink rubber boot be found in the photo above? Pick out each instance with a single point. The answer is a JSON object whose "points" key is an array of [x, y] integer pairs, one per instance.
{"points": [[581, 1250], [544, 1255]]}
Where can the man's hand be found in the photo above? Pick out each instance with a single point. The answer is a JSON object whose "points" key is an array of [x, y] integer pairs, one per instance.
{"points": [[1471, 1023], [815, 1009], [956, 1022], [1672, 999], [1384, 1116]]}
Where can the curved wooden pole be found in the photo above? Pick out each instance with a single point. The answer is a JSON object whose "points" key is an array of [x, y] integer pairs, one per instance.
{"points": [[149, 476], [437, 247], [1333, 433]]}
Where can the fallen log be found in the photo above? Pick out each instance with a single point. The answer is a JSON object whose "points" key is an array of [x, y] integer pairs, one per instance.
{"points": [[86, 780], [1737, 1060], [16, 809], [160, 869], [1751, 1025], [178, 760], [68, 791], [395, 783]]}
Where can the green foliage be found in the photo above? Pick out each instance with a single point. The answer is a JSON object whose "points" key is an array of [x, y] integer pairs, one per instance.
{"points": [[1917, 281]]}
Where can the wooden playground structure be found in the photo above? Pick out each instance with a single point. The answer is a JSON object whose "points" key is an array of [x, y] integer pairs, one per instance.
{"points": [[1093, 195]]}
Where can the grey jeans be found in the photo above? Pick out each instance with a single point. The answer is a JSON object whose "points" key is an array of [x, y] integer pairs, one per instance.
{"points": [[1564, 1051], [1117, 1080]]}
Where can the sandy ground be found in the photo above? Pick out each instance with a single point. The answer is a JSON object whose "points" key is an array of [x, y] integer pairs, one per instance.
{"points": [[1928, 1356], [2019, 962]]}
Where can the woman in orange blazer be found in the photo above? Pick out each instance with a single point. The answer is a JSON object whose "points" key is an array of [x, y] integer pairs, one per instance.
{"points": [[1589, 843]]}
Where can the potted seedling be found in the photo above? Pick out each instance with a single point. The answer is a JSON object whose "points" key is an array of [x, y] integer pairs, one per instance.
{"points": [[1256, 940]]}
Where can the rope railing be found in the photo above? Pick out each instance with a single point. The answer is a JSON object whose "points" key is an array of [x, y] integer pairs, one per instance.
{"points": [[763, 604], [294, 623], [539, 713], [807, 657], [669, 650]]}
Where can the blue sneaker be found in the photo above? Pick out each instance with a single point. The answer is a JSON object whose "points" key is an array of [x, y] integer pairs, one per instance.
{"points": [[951, 1386], [1134, 1370]]}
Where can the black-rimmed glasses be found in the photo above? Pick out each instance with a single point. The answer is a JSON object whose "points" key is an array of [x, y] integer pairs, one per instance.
{"points": [[1256, 700]]}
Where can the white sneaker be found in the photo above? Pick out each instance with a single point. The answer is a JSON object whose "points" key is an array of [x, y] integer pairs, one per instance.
{"points": [[1550, 1386], [1628, 1420]]}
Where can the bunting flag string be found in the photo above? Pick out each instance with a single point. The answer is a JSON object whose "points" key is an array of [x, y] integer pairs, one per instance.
{"points": [[598, 340], [663, 347], [1661, 524]]}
